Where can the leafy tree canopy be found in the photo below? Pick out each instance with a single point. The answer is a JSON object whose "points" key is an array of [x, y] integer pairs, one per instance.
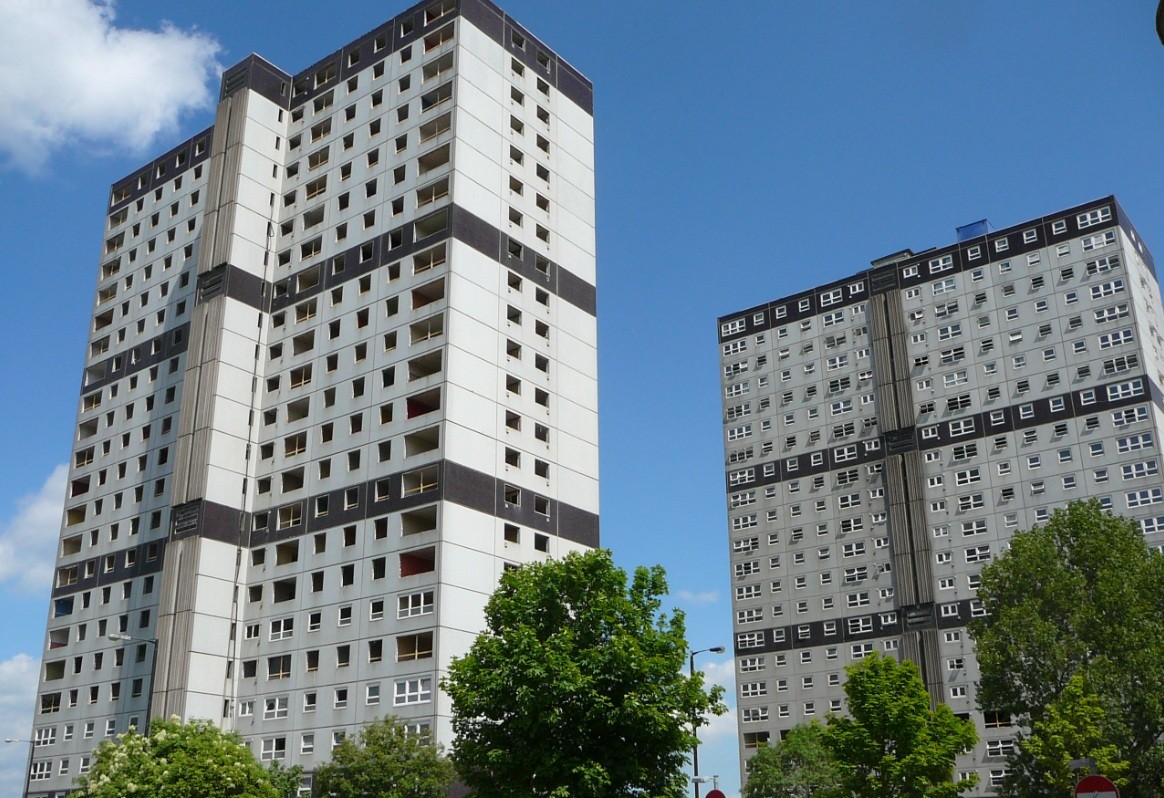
{"points": [[576, 688], [892, 744], [799, 766], [182, 760], [1071, 728], [1080, 598], [384, 761]]}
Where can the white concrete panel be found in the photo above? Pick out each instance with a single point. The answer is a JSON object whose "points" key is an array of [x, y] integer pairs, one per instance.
{"points": [[576, 387], [464, 567], [223, 486], [477, 199], [572, 171], [577, 419], [200, 706], [573, 200], [255, 170], [234, 383], [217, 560], [579, 148], [228, 453], [242, 251], [478, 166], [574, 259], [241, 319], [262, 140], [477, 341], [256, 185], [478, 91], [250, 224], [264, 112], [474, 300], [572, 115], [570, 228], [474, 371], [482, 136], [231, 416], [469, 529], [575, 322], [467, 263], [480, 47], [467, 407], [577, 489], [470, 446], [209, 632], [574, 352]]}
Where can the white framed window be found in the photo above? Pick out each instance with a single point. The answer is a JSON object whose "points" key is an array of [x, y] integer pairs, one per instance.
{"points": [[273, 748], [977, 553], [942, 264], [733, 327], [412, 691], [1144, 498], [1104, 239], [944, 286], [1117, 338], [1125, 390], [1094, 217], [1107, 289]]}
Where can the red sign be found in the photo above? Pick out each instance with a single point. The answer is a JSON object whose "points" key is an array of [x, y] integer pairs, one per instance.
{"points": [[1096, 787], [716, 794]]}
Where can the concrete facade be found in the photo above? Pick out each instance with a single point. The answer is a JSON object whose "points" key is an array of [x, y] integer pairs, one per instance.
{"points": [[885, 435], [342, 373]]}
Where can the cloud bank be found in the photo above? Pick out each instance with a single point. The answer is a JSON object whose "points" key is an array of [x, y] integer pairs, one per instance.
{"points": [[28, 540], [69, 76], [17, 688]]}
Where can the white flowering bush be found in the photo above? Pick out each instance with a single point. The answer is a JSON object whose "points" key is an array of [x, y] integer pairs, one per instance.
{"points": [[182, 760]]}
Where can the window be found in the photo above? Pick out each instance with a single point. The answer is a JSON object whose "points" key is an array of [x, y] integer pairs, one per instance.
{"points": [[1143, 498], [1094, 217], [412, 691], [1127, 416], [977, 553], [944, 286], [279, 667], [1099, 240], [1107, 289], [1118, 338], [1125, 390]]}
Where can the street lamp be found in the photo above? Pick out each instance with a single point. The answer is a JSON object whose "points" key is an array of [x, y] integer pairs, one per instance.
{"points": [[28, 765], [118, 637], [695, 720]]}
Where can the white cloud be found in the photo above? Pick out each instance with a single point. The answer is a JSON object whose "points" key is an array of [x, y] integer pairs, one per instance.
{"points": [[721, 673], [706, 597], [69, 75], [28, 540], [719, 727], [17, 690]]}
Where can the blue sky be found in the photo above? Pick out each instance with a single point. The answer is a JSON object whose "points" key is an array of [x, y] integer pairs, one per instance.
{"points": [[745, 151]]}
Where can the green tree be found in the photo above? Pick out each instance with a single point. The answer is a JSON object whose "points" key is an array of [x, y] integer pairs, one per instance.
{"points": [[799, 766], [1071, 728], [182, 760], [384, 761], [892, 744], [1082, 596], [576, 688]]}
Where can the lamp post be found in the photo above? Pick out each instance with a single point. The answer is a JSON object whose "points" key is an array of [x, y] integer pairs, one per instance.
{"points": [[695, 720], [124, 638]]}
